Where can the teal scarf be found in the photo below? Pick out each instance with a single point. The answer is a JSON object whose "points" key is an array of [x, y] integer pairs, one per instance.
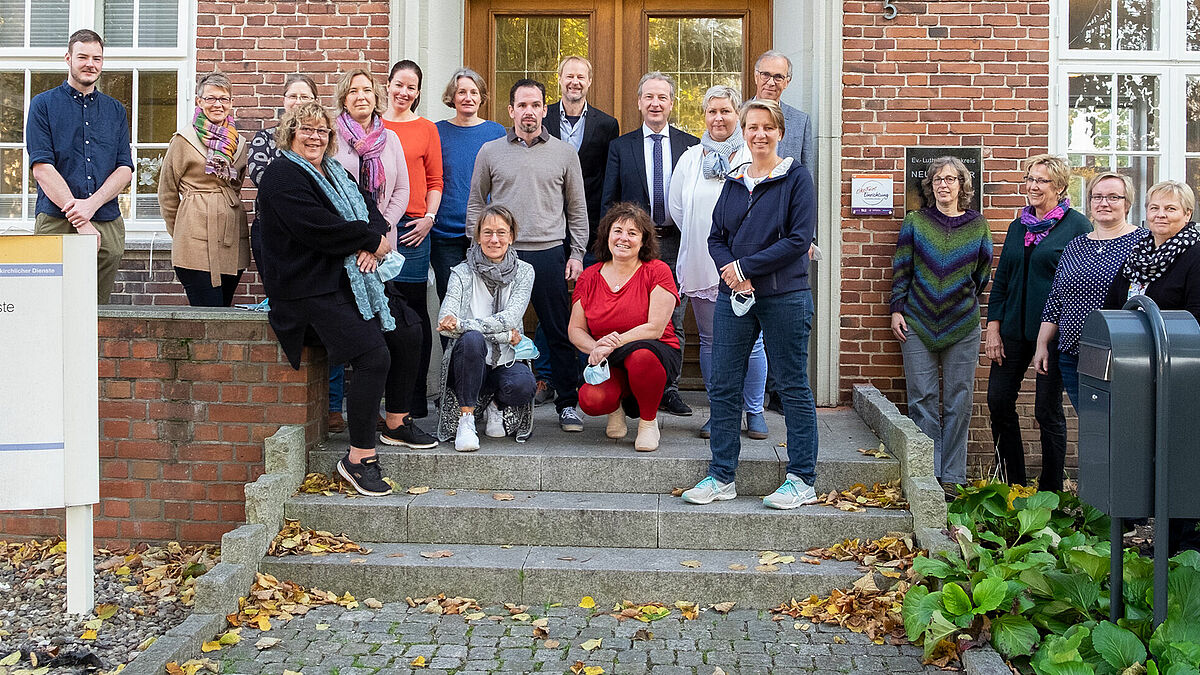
{"points": [[343, 192]]}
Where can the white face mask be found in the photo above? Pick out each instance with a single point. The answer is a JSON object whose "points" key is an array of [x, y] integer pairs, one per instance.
{"points": [[597, 374], [390, 266], [742, 302]]}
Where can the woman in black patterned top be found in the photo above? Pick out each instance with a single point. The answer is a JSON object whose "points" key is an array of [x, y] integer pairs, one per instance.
{"points": [[296, 90], [1086, 270]]}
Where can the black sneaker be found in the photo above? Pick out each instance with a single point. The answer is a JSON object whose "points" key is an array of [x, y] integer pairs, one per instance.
{"points": [[366, 477], [774, 403], [672, 403], [409, 435]]}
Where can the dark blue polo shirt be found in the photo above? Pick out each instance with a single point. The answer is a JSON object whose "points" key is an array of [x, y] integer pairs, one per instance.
{"points": [[84, 136]]}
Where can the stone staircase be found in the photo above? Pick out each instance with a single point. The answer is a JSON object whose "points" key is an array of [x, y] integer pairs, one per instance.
{"points": [[568, 515]]}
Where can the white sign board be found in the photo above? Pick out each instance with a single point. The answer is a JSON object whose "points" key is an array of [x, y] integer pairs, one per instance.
{"points": [[49, 429], [871, 194]]}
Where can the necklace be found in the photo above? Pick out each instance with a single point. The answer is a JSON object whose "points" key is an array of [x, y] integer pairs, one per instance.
{"points": [[616, 287]]}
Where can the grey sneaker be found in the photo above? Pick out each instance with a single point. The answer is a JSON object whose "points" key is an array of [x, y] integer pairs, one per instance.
{"points": [[569, 420], [708, 490], [544, 394], [792, 494]]}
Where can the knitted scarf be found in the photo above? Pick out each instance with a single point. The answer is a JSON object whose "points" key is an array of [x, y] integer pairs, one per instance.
{"points": [[493, 274], [1146, 263], [346, 199], [222, 143], [368, 145], [1036, 230], [716, 159]]}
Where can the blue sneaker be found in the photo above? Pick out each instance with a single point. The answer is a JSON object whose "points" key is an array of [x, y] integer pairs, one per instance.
{"points": [[708, 490], [756, 426], [792, 494]]}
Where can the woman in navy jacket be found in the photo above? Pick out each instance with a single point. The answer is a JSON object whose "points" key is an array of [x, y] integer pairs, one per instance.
{"points": [[762, 229]]}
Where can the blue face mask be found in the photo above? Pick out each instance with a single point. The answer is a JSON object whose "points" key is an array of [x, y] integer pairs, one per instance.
{"points": [[390, 266], [526, 350], [742, 302], [597, 374]]}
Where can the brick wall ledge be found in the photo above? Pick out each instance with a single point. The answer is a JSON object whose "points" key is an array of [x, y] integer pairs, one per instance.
{"points": [[178, 313]]}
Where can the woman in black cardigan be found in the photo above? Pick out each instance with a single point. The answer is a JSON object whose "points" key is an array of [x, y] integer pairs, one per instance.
{"points": [[1023, 277], [1165, 267], [314, 217]]}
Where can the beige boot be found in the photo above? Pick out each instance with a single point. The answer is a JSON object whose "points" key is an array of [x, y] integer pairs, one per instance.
{"points": [[647, 436], [616, 427]]}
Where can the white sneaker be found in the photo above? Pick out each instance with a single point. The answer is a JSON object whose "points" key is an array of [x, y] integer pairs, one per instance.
{"points": [[466, 439], [708, 490], [495, 421], [617, 427], [792, 494]]}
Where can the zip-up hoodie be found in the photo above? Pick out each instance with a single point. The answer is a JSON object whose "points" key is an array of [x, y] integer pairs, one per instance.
{"points": [[767, 230]]}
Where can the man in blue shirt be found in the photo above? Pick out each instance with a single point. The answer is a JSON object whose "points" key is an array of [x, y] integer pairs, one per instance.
{"points": [[78, 142]]}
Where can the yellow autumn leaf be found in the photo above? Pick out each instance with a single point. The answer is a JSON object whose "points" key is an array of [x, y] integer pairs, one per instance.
{"points": [[322, 626], [693, 564], [418, 490], [520, 617], [94, 624], [593, 670], [106, 611], [262, 621], [230, 637], [418, 662], [588, 602], [211, 646], [592, 644], [11, 659], [737, 567], [88, 634], [474, 615]]}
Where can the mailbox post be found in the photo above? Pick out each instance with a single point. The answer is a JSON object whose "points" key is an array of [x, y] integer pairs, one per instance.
{"points": [[1139, 384]]}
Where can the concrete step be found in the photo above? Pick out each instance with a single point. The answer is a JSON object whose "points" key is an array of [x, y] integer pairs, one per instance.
{"points": [[547, 574], [631, 520], [553, 460]]}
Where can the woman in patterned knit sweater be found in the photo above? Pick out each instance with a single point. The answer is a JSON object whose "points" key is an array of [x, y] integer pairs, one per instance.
{"points": [[941, 266], [1087, 268]]}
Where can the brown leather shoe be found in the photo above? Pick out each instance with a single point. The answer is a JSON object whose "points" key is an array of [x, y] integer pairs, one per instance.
{"points": [[336, 423]]}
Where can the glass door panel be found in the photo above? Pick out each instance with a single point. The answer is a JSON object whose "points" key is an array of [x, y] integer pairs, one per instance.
{"points": [[699, 52]]}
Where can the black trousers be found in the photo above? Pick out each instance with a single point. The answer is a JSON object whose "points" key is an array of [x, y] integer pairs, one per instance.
{"points": [[471, 376], [1004, 384], [553, 306], [668, 252], [197, 284], [414, 296]]}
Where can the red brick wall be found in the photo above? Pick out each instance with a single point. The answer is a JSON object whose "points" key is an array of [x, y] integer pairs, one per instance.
{"points": [[940, 73], [184, 408]]}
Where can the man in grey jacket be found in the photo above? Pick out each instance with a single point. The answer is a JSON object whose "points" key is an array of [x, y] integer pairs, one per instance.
{"points": [[772, 75]]}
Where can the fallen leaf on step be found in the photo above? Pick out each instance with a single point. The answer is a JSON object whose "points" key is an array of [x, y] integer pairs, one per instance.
{"points": [[551, 644], [373, 603], [690, 563], [839, 639], [358, 561], [506, 546], [266, 643], [520, 617], [593, 670], [592, 644], [766, 568], [541, 623], [395, 555], [293, 672], [474, 615], [810, 561], [724, 607], [502, 497], [516, 609], [210, 646], [88, 634], [418, 490], [718, 671], [690, 610], [737, 567], [450, 492], [418, 662], [322, 626], [566, 558], [588, 602], [678, 492], [540, 633], [577, 668], [106, 611], [867, 583], [437, 554], [643, 635]]}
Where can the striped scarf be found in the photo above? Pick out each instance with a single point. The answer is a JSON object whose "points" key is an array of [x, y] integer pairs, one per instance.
{"points": [[369, 148], [222, 143]]}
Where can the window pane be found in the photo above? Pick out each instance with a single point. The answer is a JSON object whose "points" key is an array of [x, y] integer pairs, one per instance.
{"points": [[1143, 171], [1090, 24], [12, 23], [698, 52], [48, 23], [1089, 118], [156, 106], [1193, 25], [119, 85], [1137, 112], [532, 47], [1193, 175], [158, 23], [10, 182], [1137, 24], [45, 81], [1193, 114], [12, 107], [118, 23], [149, 163]]}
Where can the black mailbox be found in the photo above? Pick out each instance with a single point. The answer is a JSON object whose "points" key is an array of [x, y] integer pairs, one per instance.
{"points": [[1118, 369]]}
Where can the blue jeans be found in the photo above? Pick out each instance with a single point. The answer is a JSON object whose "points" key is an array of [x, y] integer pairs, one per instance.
{"points": [[443, 255], [785, 321], [1068, 365], [756, 375], [337, 387]]}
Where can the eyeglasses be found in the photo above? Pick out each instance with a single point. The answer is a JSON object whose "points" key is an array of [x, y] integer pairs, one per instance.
{"points": [[223, 100], [303, 98], [1107, 199], [1042, 182], [948, 180], [314, 131], [777, 77], [498, 234]]}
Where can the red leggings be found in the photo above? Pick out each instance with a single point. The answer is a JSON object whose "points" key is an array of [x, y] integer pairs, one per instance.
{"points": [[647, 384]]}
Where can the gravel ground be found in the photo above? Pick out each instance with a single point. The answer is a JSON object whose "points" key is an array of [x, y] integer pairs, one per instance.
{"points": [[33, 617]]}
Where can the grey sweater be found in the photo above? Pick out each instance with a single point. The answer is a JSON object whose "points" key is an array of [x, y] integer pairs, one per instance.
{"points": [[541, 184]]}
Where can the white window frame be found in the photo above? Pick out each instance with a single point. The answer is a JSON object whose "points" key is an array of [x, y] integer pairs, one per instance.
{"points": [[1173, 64], [84, 14]]}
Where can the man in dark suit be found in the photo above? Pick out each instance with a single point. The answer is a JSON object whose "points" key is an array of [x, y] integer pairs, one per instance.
{"points": [[639, 171]]}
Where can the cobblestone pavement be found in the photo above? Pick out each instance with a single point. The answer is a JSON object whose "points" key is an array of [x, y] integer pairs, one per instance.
{"points": [[331, 640]]}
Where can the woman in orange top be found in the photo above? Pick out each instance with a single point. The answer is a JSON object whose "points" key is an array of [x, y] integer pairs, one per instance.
{"points": [[423, 155]]}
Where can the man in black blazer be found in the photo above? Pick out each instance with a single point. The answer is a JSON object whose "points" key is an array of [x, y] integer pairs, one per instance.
{"points": [[588, 129], [633, 160]]}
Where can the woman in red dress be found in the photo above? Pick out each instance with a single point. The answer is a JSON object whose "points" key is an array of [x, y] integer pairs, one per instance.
{"points": [[621, 318]]}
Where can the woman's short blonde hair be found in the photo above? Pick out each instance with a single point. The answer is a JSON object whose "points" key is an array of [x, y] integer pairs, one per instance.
{"points": [[1177, 190], [1060, 171], [966, 186], [1106, 175], [295, 118], [214, 79], [772, 107], [342, 90], [452, 86], [721, 91]]}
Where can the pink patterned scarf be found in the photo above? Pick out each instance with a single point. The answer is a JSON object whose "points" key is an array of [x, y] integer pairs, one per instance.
{"points": [[368, 145], [222, 143]]}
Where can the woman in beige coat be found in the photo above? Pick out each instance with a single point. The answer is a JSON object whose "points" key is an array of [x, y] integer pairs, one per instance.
{"points": [[199, 193]]}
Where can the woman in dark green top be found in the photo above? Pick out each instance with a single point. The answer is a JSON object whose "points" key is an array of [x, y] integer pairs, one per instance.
{"points": [[1032, 248]]}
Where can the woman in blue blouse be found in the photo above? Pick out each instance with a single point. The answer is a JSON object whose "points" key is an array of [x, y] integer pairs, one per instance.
{"points": [[461, 136], [1087, 268]]}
